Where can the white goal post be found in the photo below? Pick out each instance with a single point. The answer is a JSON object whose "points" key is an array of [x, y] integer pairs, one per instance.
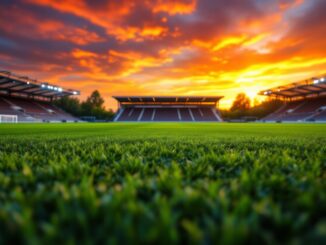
{"points": [[8, 118]]}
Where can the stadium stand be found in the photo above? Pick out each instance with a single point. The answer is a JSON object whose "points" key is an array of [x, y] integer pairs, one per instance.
{"points": [[305, 101], [167, 109], [31, 100]]}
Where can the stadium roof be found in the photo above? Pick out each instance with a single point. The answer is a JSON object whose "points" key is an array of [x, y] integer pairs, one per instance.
{"points": [[14, 84], [311, 87], [168, 99]]}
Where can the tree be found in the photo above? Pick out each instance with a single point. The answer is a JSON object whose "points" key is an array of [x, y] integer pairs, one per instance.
{"points": [[241, 103], [258, 111], [70, 105], [93, 106], [265, 108], [95, 100]]}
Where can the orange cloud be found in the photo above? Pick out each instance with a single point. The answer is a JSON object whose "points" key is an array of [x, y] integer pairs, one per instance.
{"points": [[111, 15], [229, 41], [153, 31], [135, 62], [108, 16], [174, 7], [78, 53], [139, 34]]}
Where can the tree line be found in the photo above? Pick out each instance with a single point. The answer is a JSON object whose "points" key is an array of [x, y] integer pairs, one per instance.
{"points": [[93, 106], [241, 108]]}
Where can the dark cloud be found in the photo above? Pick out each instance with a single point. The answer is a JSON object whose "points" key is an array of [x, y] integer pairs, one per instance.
{"points": [[306, 35]]}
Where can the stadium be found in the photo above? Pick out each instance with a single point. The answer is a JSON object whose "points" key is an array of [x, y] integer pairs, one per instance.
{"points": [[26, 100], [163, 122], [159, 154], [305, 101]]}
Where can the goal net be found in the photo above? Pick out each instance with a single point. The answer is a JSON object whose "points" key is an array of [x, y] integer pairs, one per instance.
{"points": [[8, 118]]}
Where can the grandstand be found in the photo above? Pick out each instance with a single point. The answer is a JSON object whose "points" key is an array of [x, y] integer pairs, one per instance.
{"points": [[31, 100], [168, 109], [304, 101]]}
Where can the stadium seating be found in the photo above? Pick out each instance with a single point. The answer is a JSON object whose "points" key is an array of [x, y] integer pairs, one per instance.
{"points": [[167, 114], [148, 114], [135, 113], [27, 105], [7, 108], [185, 114], [130, 114], [302, 110], [29, 110], [55, 111], [203, 114], [321, 116], [125, 114]]}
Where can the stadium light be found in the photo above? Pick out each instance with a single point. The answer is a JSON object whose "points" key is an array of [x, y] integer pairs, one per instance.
{"points": [[322, 79], [27, 82], [60, 89], [42, 85], [316, 81], [74, 92]]}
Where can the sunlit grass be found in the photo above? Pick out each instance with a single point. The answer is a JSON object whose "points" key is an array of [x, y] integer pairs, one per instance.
{"points": [[162, 183]]}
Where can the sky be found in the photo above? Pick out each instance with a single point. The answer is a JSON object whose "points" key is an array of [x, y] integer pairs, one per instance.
{"points": [[164, 47]]}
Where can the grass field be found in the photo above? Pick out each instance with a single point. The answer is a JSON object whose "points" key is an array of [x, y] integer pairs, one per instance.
{"points": [[163, 183]]}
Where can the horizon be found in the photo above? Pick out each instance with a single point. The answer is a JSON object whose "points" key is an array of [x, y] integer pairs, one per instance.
{"points": [[165, 48]]}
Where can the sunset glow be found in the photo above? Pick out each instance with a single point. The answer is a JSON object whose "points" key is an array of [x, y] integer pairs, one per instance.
{"points": [[164, 47]]}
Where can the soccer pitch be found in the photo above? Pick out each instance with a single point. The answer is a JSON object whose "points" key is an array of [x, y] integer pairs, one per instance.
{"points": [[163, 183], [135, 131]]}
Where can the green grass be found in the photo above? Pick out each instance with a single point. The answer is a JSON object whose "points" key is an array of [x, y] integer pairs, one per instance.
{"points": [[163, 183]]}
